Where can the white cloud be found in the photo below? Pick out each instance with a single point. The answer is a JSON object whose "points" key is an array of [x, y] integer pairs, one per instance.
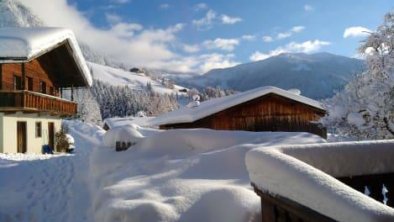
{"points": [[125, 30], [308, 8], [164, 6], [297, 29], [356, 31], [130, 43], [206, 21], [216, 61], [289, 33], [284, 35], [304, 47], [200, 6], [211, 18], [230, 20], [112, 18], [120, 1], [190, 48], [267, 38], [198, 64], [223, 44], [125, 42], [248, 37]]}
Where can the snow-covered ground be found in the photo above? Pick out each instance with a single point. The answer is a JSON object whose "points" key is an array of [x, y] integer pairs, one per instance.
{"points": [[177, 175], [49, 187], [136, 81]]}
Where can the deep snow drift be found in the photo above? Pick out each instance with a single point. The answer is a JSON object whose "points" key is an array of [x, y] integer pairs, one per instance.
{"points": [[182, 175]]}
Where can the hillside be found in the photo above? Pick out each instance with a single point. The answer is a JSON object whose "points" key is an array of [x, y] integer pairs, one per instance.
{"points": [[137, 81], [316, 75]]}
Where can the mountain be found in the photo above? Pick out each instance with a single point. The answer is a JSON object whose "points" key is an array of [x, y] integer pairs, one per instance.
{"points": [[14, 14], [316, 75]]}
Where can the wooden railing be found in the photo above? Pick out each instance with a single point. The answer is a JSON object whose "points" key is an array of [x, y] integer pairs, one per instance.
{"points": [[374, 186], [277, 208], [27, 101]]}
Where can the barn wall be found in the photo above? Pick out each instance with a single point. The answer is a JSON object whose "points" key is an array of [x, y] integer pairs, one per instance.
{"points": [[267, 113]]}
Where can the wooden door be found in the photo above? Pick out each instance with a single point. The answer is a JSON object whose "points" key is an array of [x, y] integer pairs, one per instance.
{"points": [[51, 135], [21, 137]]}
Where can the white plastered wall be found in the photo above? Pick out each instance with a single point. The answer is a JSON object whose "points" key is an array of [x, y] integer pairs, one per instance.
{"points": [[8, 131]]}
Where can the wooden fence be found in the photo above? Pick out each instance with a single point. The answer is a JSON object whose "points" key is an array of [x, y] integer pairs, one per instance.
{"points": [[278, 208]]}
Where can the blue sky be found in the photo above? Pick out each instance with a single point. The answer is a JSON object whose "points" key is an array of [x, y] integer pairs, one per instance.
{"points": [[200, 35]]}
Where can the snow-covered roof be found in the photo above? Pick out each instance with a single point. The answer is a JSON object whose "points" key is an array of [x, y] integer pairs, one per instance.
{"points": [[311, 170], [207, 108], [25, 44]]}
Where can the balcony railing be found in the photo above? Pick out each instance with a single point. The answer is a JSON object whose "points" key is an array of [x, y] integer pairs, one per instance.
{"points": [[28, 101], [345, 181]]}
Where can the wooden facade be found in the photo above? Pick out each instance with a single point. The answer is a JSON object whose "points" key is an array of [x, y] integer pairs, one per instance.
{"points": [[270, 112], [35, 85]]}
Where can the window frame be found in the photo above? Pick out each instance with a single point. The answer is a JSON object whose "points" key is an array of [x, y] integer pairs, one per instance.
{"points": [[38, 128]]}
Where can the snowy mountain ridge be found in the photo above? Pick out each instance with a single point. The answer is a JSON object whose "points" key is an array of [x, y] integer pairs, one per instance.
{"points": [[317, 75]]}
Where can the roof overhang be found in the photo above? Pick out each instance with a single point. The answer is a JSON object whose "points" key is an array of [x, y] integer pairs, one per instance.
{"points": [[21, 45]]}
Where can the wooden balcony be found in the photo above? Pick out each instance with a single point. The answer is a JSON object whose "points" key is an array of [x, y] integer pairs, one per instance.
{"points": [[28, 101]]}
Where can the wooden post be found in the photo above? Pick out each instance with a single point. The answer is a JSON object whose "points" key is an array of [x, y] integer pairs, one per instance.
{"points": [[1, 76], [72, 93], [23, 76]]}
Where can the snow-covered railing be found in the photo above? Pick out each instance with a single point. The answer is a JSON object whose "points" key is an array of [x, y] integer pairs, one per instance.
{"points": [[308, 182]]}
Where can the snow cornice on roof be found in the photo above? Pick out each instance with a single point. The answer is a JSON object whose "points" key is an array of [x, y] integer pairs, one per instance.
{"points": [[19, 45], [207, 108]]}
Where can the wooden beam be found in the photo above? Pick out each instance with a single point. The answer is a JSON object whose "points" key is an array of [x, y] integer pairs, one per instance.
{"points": [[1, 76], [23, 76], [72, 93]]}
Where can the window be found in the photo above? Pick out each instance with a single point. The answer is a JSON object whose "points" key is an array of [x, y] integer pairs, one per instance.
{"points": [[51, 91], [43, 87], [17, 82], [38, 129], [29, 83]]}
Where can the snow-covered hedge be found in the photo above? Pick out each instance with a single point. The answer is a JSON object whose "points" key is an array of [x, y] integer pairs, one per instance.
{"points": [[305, 174]]}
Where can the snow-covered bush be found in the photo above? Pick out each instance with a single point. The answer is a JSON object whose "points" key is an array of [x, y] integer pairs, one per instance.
{"points": [[62, 142], [124, 134]]}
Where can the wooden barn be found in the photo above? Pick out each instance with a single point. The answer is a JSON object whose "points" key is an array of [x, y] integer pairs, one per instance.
{"points": [[36, 64], [261, 109]]}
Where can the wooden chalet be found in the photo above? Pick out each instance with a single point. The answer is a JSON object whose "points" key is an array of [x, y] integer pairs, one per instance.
{"points": [[261, 109], [36, 64]]}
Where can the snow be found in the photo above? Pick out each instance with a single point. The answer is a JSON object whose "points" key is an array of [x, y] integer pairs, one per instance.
{"points": [[182, 175], [24, 44], [186, 114], [127, 121], [49, 187], [356, 119], [176, 175], [119, 77], [311, 169], [127, 134]]}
